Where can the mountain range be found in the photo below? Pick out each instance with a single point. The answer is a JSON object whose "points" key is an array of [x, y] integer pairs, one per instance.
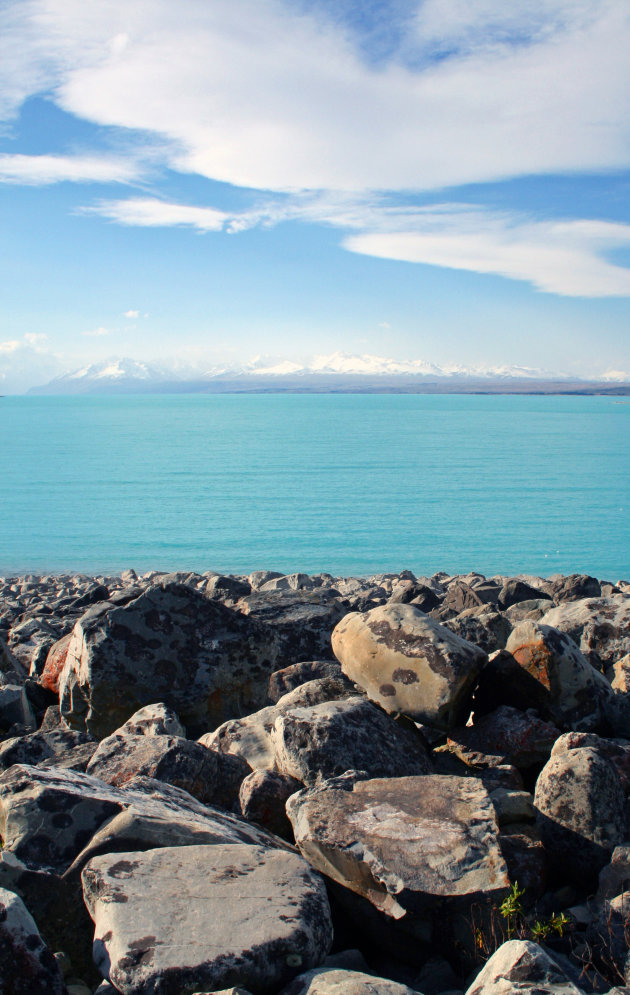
{"points": [[336, 372]]}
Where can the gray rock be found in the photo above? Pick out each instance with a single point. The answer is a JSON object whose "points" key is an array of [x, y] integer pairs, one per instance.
{"points": [[408, 663], [524, 967], [600, 626], [408, 845], [48, 816], [580, 812], [336, 981], [300, 621], [27, 966], [608, 935], [289, 678], [615, 750], [54, 744], [514, 591], [483, 626], [614, 878], [153, 720], [250, 737], [575, 587], [254, 917], [573, 692], [204, 660], [327, 739]]}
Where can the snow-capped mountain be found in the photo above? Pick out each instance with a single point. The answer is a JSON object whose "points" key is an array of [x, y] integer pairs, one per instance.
{"points": [[334, 371]]}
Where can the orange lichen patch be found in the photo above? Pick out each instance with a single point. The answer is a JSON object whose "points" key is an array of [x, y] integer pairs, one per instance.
{"points": [[55, 663], [535, 658]]}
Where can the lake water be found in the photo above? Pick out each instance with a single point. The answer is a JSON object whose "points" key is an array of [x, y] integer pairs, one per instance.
{"points": [[350, 484]]}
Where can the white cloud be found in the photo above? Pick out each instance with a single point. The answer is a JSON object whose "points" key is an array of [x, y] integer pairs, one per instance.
{"points": [[147, 212], [35, 338], [24, 363], [40, 170], [12, 345], [97, 332], [260, 95], [131, 314]]}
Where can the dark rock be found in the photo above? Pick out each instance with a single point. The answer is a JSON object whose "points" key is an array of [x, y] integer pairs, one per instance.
{"points": [[521, 738], [575, 587], [483, 626], [515, 590], [301, 621], [27, 966], [262, 799]]}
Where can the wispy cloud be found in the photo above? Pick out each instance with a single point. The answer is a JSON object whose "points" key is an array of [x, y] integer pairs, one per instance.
{"points": [[566, 257], [40, 170], [131, 314]]}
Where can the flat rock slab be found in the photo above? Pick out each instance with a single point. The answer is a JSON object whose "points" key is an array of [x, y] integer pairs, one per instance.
{"points": [[48, 816], [183, 919], [408, 663], [407, 844]]}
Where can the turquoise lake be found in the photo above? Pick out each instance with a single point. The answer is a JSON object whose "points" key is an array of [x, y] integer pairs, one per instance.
{"points": [[350, 484]]}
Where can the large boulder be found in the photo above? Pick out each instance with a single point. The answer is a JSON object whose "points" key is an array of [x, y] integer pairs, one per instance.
{"points": [[412, 845], [572, 692], [55, 743], [520, 738], [27, 966], [172, 644], [600, 626], [201, 918], [48, 816], [409, 663], [581, 814], [524, 967], [325, 740]]}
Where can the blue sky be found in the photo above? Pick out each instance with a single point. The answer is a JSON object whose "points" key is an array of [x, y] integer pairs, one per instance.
{"points": [[206, 181]]}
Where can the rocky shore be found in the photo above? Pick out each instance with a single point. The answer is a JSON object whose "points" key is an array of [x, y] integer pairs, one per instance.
{"points": [[314, 785]]}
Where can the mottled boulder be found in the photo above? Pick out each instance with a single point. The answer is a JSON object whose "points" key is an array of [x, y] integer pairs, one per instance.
{"points": [[254, 918], [600, 626], [515, 590], [335, 981], [55, 743], [573, 693], [327, 739], [299, 622], [413, 845], [580, 812], [458, 598], [289, 678], [204, 660], [524, 967], [250, 737], [180, 762], [55, 662], [262, 798], [615, 750], [520, 738], [47, 816], [483, 626], [409, 663], [27, 967], [227, 589]]}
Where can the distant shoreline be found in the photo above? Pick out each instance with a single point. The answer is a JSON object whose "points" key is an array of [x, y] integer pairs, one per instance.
{"points": [[343, 385]]}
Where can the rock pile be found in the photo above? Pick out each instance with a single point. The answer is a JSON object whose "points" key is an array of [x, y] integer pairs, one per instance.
{"points": [[309, 785]]}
